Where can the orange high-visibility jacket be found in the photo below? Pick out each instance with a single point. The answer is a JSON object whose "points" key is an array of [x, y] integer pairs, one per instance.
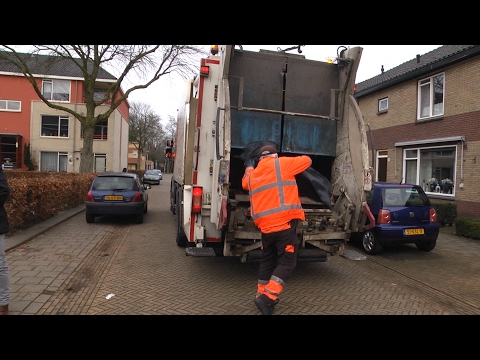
{"points": [[274, 199]]}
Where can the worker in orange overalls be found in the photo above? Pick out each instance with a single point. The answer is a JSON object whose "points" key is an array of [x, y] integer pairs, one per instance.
{"points": [[275, 208]]}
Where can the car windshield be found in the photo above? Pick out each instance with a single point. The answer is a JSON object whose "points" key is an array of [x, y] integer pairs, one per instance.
{"points": [[113, 183], [153, 172]]}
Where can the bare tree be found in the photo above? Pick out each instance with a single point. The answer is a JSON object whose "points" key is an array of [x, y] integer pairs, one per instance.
{"points": [[171, 127], [145, 128], [148, 61]]}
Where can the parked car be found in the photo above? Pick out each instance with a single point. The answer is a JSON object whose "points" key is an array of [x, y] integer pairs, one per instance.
{"points": [[152, 176], [399, 214], [118, 194]]}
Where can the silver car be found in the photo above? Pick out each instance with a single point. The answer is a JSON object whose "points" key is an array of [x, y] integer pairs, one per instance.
{"points": [[152, 177]]}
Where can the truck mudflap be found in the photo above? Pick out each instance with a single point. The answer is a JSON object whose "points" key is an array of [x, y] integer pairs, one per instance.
{"points": [[304, 255]]}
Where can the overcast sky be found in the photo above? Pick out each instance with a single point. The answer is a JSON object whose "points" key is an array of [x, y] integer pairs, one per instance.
{"points": [[165, 95]]}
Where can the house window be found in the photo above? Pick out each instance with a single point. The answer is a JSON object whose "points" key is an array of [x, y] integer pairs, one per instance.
{"points": [[100, 131], [430, 96], [53, 161], [98, 94], [10, 105], [57, 90], [383, 105], [100, 163], [135, 153], [56, 126], [433, 168]]}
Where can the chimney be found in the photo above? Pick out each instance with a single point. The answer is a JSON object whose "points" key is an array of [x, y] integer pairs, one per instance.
{"points": [[381, 69], [418, 58]]}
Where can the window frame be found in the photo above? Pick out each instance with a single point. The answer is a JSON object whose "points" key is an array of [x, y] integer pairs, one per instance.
{"points": [[421, 85], [419, 167], [46, 132], [385, 109], [99, 162], [56, 83], [61, 161], [7, 102], [100, 132]]}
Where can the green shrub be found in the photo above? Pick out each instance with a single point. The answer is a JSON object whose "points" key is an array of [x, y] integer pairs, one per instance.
{"points": [[446, 213], [467, 227]]}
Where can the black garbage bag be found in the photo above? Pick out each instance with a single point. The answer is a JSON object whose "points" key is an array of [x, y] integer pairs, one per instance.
{"points": [[310, 182], [252, 150], [315, 186]]}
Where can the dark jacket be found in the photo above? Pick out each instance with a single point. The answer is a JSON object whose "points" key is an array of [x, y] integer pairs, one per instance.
{"points": [[4, 192]]}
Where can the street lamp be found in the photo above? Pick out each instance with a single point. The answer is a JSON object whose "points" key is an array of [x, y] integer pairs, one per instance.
{"points": [[146, 162]]}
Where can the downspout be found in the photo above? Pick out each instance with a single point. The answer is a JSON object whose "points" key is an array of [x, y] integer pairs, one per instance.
{"points": [[374, 162], [461, 162], [75, 126]]}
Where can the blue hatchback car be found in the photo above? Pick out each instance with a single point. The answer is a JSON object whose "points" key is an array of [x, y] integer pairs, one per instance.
{"points": [[399, 214], [116, 193]]}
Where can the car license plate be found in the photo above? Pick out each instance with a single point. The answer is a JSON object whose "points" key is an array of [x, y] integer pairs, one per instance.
{"points": [[414, 231], [113, 197]]}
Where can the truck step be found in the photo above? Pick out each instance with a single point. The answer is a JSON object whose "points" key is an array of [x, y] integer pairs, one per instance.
{"points": [[203, 251], [313, 255], [304, 255]]}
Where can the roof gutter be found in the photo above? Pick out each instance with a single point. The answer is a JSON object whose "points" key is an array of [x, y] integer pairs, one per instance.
{"points": [[429, 141], [427, 69]]}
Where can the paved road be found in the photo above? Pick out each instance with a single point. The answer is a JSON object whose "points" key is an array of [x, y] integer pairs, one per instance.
{"points": [[118, 267]]}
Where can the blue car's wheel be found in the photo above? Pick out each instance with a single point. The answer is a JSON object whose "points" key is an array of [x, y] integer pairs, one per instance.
{"points": [[89, 217], [370, 243], [426, 246]]}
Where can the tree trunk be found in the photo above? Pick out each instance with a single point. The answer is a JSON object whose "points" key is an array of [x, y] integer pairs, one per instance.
{"points": [[86, 158]]}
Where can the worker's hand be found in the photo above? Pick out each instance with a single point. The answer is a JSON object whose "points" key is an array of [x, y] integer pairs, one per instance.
{"points": [[250, 163]]}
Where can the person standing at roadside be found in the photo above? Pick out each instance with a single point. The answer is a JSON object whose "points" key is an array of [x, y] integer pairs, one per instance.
{"points": [[275, 208], [4, 227]]}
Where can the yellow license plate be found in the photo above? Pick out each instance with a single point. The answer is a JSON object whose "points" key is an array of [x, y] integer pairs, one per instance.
{"points": [[113, 197], [414, 232]]}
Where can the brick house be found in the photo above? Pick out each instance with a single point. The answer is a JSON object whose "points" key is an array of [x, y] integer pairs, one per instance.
{"points": [[55, 136], [133, 155], [423, 124]]}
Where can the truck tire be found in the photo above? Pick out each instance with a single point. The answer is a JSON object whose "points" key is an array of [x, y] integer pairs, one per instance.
{"points": [[370, 243], [173, 194], [181, 238], [426, 246]]}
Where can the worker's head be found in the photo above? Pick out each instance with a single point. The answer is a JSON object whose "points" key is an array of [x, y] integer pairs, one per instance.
{"points": [[268, 150]]}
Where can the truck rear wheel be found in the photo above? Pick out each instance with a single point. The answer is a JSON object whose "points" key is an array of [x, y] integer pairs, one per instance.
{"points": [[173, 196]]}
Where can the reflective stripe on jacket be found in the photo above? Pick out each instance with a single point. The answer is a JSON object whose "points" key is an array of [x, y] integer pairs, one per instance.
{"points": [[274, 199]]}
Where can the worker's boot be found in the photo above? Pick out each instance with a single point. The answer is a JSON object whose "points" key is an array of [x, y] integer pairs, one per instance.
{"points": [[265, 305], [4, 309]]}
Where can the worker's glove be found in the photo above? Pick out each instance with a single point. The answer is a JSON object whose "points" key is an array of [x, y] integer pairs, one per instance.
{"points": [[250, 163]]}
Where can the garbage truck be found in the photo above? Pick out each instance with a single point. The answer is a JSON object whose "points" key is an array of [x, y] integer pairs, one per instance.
{"points": [[305, 106]]}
